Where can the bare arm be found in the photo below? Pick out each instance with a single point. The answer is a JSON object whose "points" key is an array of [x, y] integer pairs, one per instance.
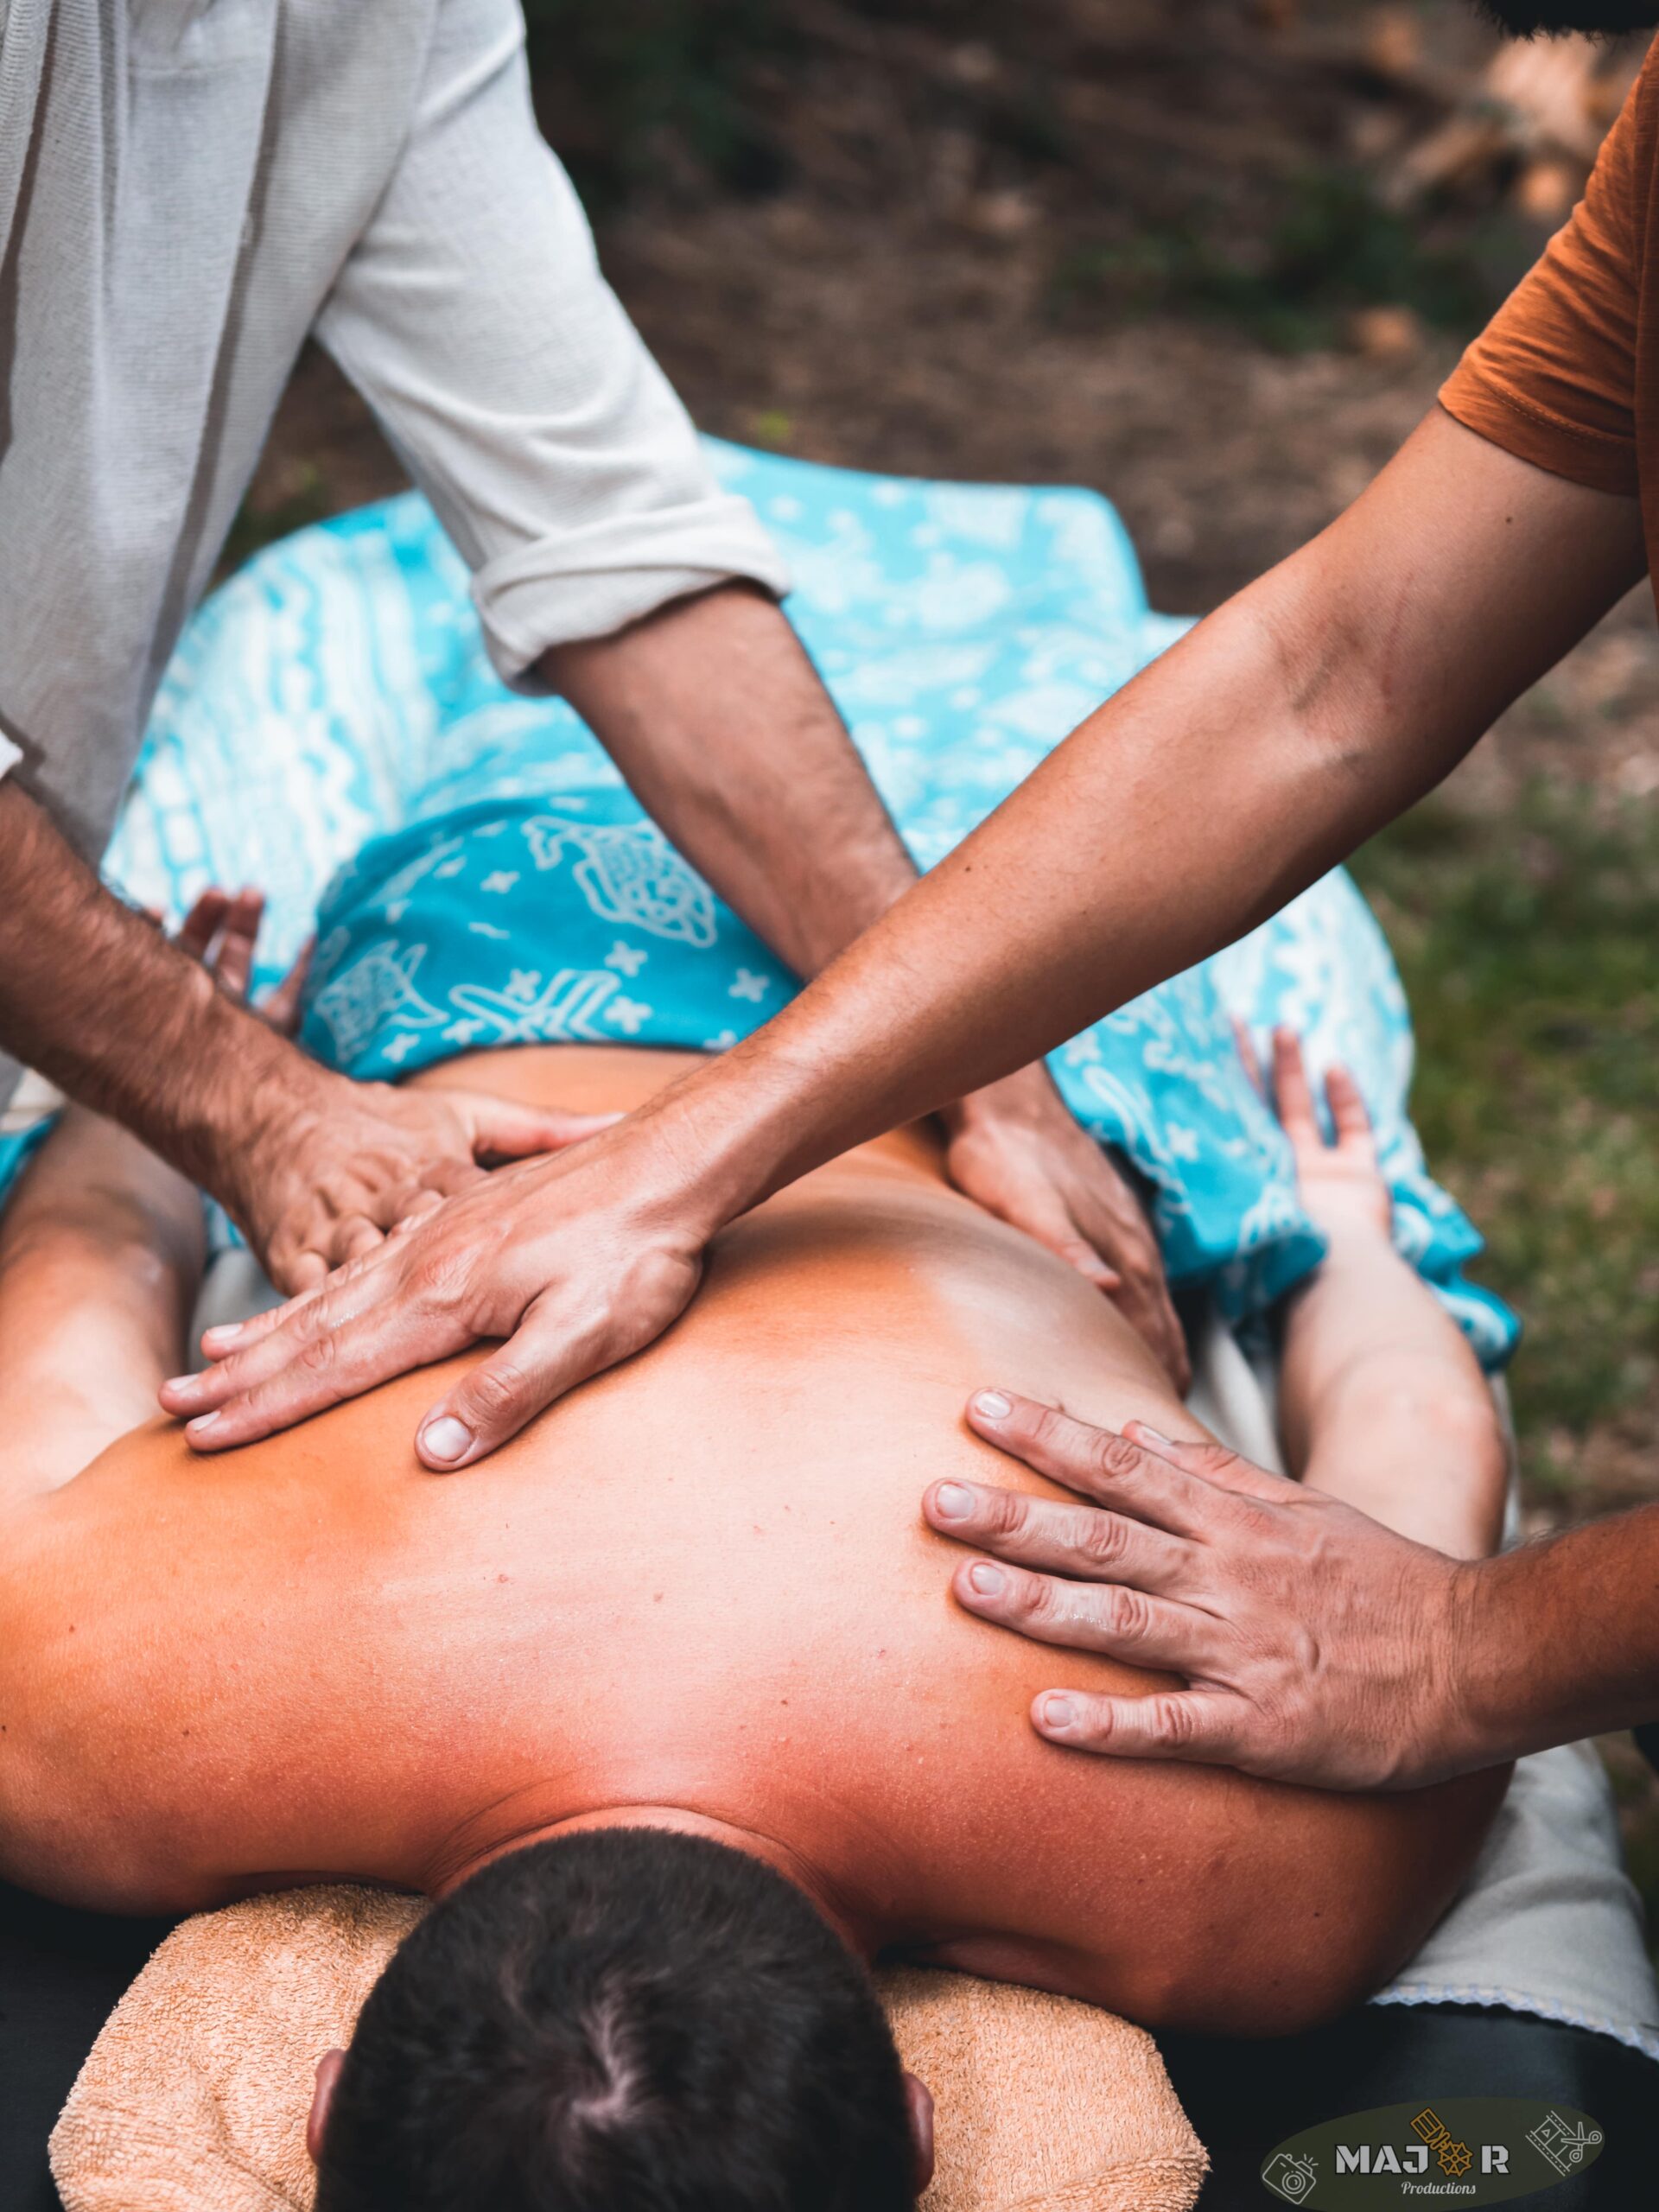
{"points": [[1294, 721], [726, 735], [100, 1253], [102, 1250], [1271, 740], [718, 720], [314, 1168], [1382, 1403]]}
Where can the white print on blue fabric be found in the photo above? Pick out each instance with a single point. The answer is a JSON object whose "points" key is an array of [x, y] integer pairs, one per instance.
{"points": [[377, 990], [629, 875], [564, 1010], [332, 713]]}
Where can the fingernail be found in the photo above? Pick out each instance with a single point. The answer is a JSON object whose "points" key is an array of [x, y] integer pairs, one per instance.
{"points": [[952, 1503], [226, 1333], [1059, 1713], [184, 1386], [991, 1405], [446, 1439], [202, 1421], [987, 1580], [1153, 1436]]}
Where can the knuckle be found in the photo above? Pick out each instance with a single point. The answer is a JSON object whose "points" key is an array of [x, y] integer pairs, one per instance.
{"points": [[1097, 1722], [1042, 1425], [497, 1390], [1103, 1541], [1056, 1435], [1129, 1616], [439, 1277], [1038, 1597], [318, 1355], [304, 1318], [1111, 1456], [1001, 1512], [1174, 1721]]}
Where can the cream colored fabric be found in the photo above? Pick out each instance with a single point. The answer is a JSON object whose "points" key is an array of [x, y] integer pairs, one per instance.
{"points": [[195, 2096], [187, 187]]}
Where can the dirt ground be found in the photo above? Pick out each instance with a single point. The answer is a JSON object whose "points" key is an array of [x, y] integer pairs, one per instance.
{"points": [[1054, 257]]}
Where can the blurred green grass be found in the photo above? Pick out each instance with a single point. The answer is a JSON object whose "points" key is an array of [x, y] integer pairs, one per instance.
{"points": [[1527, 940], [1331, 247]]}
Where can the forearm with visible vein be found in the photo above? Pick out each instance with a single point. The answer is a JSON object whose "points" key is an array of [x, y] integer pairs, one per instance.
{"points": [[1248, 761]]}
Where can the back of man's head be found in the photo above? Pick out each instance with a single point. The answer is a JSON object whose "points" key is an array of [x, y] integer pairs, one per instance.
{"points": [[621, 2020], [1554, 18]]}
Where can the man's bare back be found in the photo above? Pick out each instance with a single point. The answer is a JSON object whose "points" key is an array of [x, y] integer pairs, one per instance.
{"points": [[700, 1585]]}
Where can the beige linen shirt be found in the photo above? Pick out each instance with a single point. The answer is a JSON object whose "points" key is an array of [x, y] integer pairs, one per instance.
{"points": [[187, 187]]}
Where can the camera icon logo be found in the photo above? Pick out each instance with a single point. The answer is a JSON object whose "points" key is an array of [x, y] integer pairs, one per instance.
{"points": [[1291, 2179]]}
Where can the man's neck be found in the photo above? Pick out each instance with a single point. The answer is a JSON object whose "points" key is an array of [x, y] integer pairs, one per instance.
{"points": [[513, 1825]]}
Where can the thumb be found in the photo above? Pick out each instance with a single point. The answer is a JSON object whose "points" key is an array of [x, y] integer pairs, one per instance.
{"points": [[500, 1128], [1195, 1725], [504, 1393]]}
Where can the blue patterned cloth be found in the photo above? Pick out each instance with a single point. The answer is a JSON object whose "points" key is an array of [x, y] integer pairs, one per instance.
{"points": [[331, 728]]}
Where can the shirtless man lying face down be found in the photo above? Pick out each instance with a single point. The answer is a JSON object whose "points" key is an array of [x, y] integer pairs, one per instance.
{"points": [[667, 1703]]}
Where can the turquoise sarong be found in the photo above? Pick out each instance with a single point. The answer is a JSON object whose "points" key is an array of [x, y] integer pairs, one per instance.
{"points": [[331, 729]]}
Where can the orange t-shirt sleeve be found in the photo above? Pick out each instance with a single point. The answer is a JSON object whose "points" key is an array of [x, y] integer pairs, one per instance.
{"points": [[1552, 378]]}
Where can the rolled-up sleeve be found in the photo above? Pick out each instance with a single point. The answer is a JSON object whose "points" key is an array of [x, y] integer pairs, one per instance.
{"points": [[473, 316], [10, 755]]}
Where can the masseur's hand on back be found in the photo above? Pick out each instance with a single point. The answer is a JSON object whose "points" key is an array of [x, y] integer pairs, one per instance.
{"points": [[1317, 1645], [577, 1261], [331, 1191], [314, 1169], [331, 1171], [501, 1260]]}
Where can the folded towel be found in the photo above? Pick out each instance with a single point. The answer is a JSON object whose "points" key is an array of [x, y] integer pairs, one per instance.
{"points": [[195, 2096]]}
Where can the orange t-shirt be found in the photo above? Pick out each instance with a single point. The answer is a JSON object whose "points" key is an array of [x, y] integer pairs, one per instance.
{"points": [[1567, 373]]}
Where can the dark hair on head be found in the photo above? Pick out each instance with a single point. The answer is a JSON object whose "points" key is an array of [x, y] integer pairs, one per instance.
{"points": [[621, 2020], [1557, 18]]}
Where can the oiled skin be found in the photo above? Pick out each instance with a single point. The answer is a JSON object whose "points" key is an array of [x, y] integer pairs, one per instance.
{"points": [[701, 1582]]}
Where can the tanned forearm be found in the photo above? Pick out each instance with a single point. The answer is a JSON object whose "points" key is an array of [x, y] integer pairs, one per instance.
{"points": [[1266, 745], [96, 998], [717, 719], [1560, 1638]]}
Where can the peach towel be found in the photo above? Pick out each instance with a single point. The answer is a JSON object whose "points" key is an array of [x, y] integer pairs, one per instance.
{"points": [[195, 2096]]}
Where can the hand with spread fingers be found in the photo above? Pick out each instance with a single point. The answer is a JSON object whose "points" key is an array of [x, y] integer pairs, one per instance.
{"points": [[332, 1167], [572, 1259], [1317, 1642], [221, 931], [1316, 1645]]}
